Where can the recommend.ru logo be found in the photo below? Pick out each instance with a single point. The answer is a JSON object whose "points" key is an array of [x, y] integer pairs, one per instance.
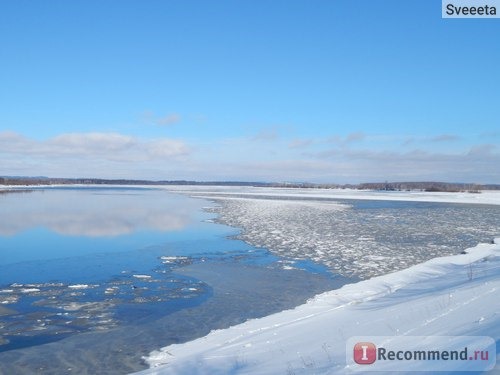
{"points": [[421, 353]]}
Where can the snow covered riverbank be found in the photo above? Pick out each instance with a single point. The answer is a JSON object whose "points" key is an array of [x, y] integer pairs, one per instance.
{"points": [[484, 197], [454, 296]]}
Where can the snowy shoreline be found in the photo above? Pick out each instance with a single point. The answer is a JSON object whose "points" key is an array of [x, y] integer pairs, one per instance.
{"points": [[483, 197], [454, 296]]}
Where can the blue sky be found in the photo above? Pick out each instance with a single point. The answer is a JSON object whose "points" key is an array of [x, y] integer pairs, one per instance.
{"points": [[322, 91]]}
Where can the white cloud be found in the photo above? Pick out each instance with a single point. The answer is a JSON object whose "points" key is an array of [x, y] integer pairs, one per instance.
{"points": [[251, 162], [165, 148], [71, 154], [300, 143], [490, 135], [114, 155], [445, 138], [354, 137], [265, 135], [349, 138], [482, 151], [11, 142], [166, 120], [169, 119], [91, 143], [479, 164], [107, 146], [434, 139]]}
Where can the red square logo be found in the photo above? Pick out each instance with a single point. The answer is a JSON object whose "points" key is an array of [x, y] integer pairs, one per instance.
{"points": [[365, 353]]}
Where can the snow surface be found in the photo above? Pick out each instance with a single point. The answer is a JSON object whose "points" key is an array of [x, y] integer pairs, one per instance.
{"points": [[484, 197], [447, 296]]}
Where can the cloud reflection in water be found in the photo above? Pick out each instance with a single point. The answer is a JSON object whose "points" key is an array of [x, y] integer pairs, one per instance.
{"points": [[95, 213]]}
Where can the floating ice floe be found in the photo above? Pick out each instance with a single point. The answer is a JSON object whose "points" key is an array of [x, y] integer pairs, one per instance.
{"points": [[175, 260], [78, 286], [29, 290], [32, 306]]}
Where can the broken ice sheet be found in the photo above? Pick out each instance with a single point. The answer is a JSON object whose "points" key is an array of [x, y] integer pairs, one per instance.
{"points": [[357, 238]]}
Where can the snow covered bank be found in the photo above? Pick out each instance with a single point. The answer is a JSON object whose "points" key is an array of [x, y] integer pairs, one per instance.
{"points": [[448, 296], [484, 197]]}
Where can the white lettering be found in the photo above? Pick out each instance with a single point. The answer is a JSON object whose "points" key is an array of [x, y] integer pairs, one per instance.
{"points": [[364, 358]]}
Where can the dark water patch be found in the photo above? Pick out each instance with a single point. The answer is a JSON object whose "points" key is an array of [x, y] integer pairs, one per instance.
{"points": [[45, 311], [238, 292], [145, 285]]}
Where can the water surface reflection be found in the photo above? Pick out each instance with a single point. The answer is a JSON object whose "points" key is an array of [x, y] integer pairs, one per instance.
{"points": [[95, 212]]}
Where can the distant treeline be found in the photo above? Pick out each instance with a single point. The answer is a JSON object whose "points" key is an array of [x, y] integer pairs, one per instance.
{"points": [[33, 181], [430, 186]]}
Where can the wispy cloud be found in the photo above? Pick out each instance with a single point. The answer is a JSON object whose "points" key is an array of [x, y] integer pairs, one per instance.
{"points": [[490, 135], [348, 139], [265, 135], [300, 143], [165, 120], [479, 164], [172, 118], [484, 150], [120, 155], [444, 138], [86, 143], [354, 137], [433, 139], [199, 118]]}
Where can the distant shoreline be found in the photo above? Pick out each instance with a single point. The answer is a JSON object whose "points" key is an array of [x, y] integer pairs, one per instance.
{"points": [[488, 197], [428, 186]]}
